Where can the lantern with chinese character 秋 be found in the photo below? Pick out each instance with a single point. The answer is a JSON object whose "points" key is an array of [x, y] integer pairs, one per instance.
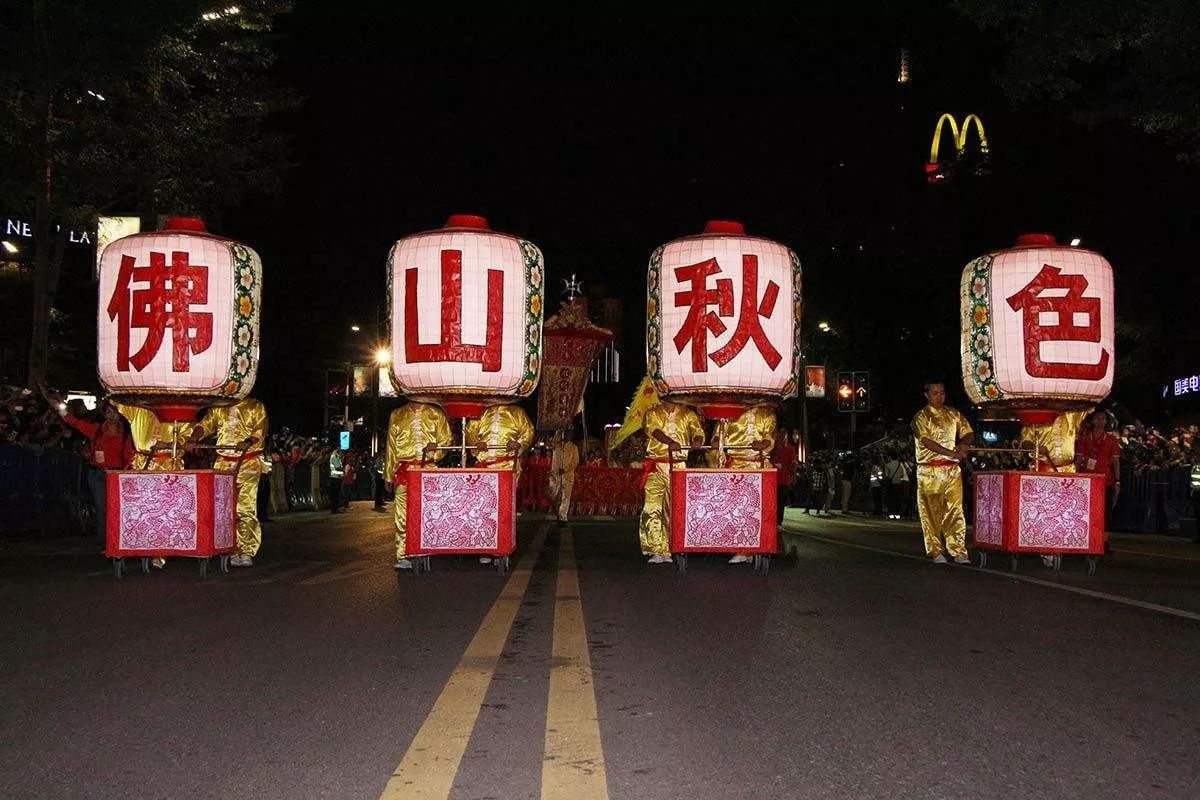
{"points": [[1038, 329], [723, 320], [178, 321], [465, 305]]}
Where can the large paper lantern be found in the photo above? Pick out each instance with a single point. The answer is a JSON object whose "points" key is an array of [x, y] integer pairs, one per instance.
{"points": [[178, 320], [1038, 328], [723, 319], [572, 342], [465, 305]]}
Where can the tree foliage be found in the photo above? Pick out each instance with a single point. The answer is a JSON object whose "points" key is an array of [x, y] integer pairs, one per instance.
{"points": [[154, 108], [1129, 61]]}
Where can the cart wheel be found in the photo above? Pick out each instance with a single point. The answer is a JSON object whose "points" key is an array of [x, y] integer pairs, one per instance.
{"points": [[204, 568], [680, 563], [502, 565], [983, 558], [1012, 563], [118, 567], [223, 564], [1056, 562], [1092, 563], [145, 566], [764, 565]]}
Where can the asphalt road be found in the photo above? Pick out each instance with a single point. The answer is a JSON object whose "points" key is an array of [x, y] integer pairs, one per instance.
{"points": [[854, 670]]}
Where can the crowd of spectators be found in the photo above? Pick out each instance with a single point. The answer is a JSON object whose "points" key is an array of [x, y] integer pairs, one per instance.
{"points": [[27, 419]]}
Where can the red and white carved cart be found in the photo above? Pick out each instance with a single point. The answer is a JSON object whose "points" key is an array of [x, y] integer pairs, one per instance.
{"points": [[724, 511], [461, 512], [189, 513], [1043, 513]]}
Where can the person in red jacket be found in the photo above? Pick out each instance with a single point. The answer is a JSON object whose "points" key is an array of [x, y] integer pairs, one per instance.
{"points": [[1099, 451], [784, 457], [110, 447]]}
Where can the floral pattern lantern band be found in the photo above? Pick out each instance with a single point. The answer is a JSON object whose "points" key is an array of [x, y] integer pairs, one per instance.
{"points": [[465, 305], [1038, 327], [723, 319], [178, 319]]}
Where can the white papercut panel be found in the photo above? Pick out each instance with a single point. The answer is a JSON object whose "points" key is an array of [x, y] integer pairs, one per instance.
{"points": [[1055, 512], [724, 509], [727, 314], [159, 511], [1053, 322], [989, 509], [178, 314], [475, 320]]}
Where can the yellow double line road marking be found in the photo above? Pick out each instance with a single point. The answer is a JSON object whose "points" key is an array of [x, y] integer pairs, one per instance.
{"points": [[573, 760], [573, 766]]}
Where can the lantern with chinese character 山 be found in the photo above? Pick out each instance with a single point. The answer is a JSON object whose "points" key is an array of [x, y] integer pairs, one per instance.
{"points": [[1038, 329], [178, 320], [465, 305], [723, 320], [572, 342]]}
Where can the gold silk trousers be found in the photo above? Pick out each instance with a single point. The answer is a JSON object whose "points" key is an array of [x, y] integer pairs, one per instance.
{"points": [[234, 424], [654, 527], [940, 505]]}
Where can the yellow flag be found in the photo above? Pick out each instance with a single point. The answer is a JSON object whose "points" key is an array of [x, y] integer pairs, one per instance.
{"points": [[644, 399]]}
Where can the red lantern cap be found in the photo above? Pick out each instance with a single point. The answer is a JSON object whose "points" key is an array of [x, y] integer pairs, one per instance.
{"points": [[1036, 240], [194, 224], [725, 226], [468, 221]]}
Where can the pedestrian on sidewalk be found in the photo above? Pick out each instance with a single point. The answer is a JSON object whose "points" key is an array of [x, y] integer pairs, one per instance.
{"points": [[943, 439], [334, 487]]}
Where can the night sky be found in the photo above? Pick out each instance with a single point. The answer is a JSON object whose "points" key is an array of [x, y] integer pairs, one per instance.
{"points": [[601, 139]]}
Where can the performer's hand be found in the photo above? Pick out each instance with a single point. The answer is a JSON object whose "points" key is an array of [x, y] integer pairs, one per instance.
{"points": [[431, 448], [962, 451], [697, 441], [513, 444], [388, 484]]}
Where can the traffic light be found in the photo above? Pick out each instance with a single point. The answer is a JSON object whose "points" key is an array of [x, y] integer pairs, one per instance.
{"points": [[862, 391], [845, 391]]}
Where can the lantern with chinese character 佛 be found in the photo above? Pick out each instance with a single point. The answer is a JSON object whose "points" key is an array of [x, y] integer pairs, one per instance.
{"points": [[465, 305], [723, 319], [178, 320], [1038, 329]]}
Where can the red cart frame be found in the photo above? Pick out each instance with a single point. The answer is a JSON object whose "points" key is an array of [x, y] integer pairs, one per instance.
{"points": [[457, 511], [1043, 513], [724, 511]]}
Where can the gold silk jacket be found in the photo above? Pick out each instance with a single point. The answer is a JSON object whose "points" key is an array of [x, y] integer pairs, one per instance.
{"points": [[410, 429], [681, 425], [1055, 443], [496, 426], [148, 430], [946, 426], [233, 425], [755, 424]]}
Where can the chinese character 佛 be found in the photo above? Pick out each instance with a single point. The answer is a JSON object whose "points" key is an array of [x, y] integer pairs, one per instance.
{"points": [[166, 302], [701, 322], [1033, 303]]}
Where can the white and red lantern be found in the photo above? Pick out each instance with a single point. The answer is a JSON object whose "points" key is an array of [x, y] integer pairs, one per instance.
{"points": [[178, 320], [466, 315], [723, 319], [1038, 328]]}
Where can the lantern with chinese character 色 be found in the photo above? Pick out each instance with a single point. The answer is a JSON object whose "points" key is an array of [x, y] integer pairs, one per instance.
{"points": [[465, 305], [1038, 329], [723, 320], [178, 321]]}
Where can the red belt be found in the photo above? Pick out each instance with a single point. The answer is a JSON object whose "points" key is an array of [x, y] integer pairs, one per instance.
{"points": [[494, 461], [942, 462], [402, 471], [649, 465]]}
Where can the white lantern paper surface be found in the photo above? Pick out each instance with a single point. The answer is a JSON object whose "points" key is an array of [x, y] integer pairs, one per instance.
{"points": [[465, 305], [1038, 326], [723, 317], [179, 315]]}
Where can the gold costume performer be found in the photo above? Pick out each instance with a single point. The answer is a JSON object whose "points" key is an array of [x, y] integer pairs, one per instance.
{"points": [[242, 423], [506, 433], [664, 424], [943, 438], [411, 428], [1055, 443], [748, 441], [563, 461], [148, 431]]}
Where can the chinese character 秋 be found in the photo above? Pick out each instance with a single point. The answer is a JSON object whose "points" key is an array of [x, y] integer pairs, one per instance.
{"points": [[451, 347], [1033, 303], [165, 303], [700, 322]]}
